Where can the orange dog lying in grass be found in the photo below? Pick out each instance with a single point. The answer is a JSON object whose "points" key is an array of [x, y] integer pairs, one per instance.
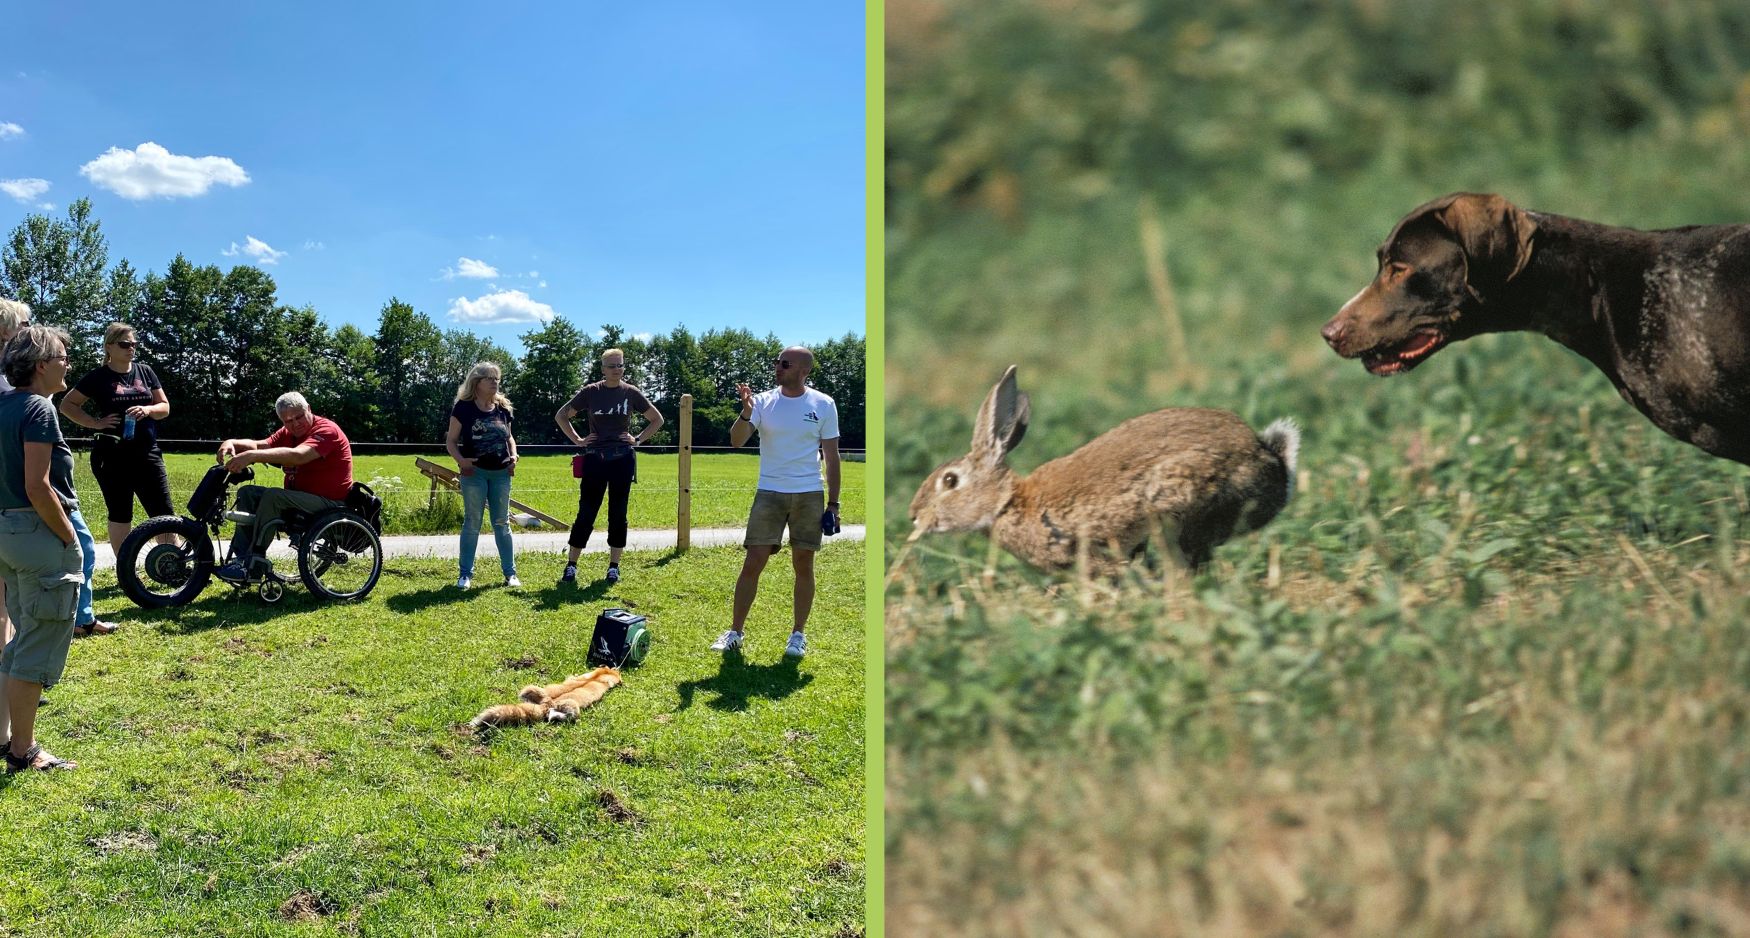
{"points": [[554, 703]]}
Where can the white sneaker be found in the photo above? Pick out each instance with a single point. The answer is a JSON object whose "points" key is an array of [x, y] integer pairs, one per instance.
{"points": [[728, 640], [463, 583], [511, 582], [797, 647]]}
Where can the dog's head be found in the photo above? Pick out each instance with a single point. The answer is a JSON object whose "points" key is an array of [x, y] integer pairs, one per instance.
{"points": [[1438, 271]]}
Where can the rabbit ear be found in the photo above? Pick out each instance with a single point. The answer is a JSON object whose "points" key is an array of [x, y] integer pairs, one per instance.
{"points": [[1002, 421]]}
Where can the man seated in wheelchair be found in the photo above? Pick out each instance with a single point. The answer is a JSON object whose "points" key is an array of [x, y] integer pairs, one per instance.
{"points": [[317, 459]]}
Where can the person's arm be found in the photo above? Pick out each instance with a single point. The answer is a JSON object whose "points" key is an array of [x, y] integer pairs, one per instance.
{"points": [[653, 418], [564, 418], [298, 455], [73, 408], [231, 448], [829, 457], [157, 410], [452, 440], [742, 429], [37, 459]]}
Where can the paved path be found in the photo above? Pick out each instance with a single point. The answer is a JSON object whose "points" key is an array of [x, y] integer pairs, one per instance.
{"points": [[447, 545]]}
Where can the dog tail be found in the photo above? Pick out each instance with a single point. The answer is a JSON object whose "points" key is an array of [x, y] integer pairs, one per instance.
{"points": [[1283, 439], [519, 714]]}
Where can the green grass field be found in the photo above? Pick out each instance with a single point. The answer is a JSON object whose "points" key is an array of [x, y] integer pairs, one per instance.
{"points": [[723, 487], [302, 769], [1488, 674]]}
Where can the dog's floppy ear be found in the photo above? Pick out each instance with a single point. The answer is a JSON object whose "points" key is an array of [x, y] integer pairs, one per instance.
{"points": [[1495, 234], [1002, 421]]}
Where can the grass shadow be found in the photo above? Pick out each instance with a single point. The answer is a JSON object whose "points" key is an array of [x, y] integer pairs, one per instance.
{"points": [[737, 682], [420, 600], [219, 606]]}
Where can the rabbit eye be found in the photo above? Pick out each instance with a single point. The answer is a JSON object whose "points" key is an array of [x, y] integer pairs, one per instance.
{"points": [[949, 480]]}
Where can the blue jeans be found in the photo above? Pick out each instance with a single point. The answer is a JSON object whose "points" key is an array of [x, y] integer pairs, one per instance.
{"points": [[87, 546], [486, 488]]}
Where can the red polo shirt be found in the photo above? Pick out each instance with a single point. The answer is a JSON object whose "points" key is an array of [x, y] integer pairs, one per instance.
{"points": [[330, 476]]}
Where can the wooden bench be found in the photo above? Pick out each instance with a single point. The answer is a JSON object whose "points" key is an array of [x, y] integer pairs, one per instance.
{"points": [[448, 478]]}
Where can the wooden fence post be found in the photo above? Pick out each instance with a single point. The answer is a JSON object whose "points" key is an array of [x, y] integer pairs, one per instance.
{"points": [[683, 535]]}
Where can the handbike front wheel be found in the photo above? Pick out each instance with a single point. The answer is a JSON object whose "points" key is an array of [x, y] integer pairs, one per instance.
{"points": [[341, 557], [155, 575]]}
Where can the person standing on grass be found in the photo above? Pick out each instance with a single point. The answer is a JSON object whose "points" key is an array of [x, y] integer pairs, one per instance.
{"points": [[799, 434], [124, 453], [13, 317], [41, 560], [610, 460], [480, 441]]}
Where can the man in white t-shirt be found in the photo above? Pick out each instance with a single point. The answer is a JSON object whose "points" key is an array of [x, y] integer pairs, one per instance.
{"points": [[799, 435]]}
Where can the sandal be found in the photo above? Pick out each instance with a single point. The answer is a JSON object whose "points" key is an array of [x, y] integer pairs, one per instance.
{"points": [[49, 761]]}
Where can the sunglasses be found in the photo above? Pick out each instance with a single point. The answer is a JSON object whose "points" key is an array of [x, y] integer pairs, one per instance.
{"points": [[613, 364], [782, 362], [128, 344]]}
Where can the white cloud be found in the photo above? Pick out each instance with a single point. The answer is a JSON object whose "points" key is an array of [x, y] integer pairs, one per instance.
{"points": [[506, 306], [9, 130], [644, 336], [150, 171], [24, 190], [258, 250], [534, 275], [543, 283], [315, 246], [471, 269]]}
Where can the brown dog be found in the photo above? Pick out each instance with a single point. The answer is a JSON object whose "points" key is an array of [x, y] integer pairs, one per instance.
{"points": [[1665, 314], [554, 703]]}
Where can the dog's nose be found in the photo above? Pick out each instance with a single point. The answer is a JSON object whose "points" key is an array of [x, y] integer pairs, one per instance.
{"points": [[1334, 331]]}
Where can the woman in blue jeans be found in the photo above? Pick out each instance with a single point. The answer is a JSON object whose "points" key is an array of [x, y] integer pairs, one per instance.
{"points": [[481, 442]]}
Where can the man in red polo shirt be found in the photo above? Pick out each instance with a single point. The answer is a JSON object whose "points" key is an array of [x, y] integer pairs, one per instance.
{"points": [[317, 458]]}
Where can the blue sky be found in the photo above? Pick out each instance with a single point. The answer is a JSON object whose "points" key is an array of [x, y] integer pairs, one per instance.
{"points": [[646, 164]]}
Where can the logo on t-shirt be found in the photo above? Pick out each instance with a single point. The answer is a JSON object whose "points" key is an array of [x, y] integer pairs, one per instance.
{"points": [[812, 417]]}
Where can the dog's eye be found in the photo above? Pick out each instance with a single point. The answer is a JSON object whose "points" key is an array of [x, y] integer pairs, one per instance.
{"points": [[949, 480], [1394, 270]]}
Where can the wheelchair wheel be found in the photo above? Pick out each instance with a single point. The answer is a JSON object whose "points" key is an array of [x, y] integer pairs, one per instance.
{"points": [[341, 556], [156, 575]]}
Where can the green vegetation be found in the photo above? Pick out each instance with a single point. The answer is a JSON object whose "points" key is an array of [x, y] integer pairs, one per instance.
{"points": [[305, 769], [226, 347], [1488, 673], [723, 487]]}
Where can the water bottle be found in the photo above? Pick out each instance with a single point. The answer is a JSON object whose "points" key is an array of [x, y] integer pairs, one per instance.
{"points": [[128, 427]]}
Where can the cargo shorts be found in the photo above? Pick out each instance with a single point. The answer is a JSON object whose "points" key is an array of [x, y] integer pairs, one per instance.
{"points": [[773, 511], [42, 595]]}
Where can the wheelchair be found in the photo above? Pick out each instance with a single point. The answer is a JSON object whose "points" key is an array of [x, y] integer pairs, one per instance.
{"points": [[340, 551]]}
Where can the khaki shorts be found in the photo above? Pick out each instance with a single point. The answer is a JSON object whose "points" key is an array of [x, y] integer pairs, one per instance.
{"points": [[42, 594], [773, 511]]}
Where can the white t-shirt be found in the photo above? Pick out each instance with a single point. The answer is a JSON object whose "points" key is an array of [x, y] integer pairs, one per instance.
{"points": [[791, 429]]}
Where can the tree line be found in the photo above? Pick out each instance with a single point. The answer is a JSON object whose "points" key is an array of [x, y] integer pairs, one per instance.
{"points": [[226, 347]]}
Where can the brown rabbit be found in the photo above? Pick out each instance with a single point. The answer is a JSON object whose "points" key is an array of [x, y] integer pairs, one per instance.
{"points": [[553, 703], [1194, 476]]}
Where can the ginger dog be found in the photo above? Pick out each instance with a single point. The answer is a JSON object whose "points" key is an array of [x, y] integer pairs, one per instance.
{"points": [[554, 703]]}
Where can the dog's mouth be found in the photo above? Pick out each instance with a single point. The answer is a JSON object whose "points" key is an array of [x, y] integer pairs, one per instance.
{"points": [[1401, 357]]}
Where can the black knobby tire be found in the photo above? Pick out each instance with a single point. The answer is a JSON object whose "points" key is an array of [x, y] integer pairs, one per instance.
{"points": [[341, 557], [155, 575]]}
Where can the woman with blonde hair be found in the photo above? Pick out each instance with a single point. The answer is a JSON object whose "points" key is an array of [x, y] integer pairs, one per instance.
{"points": [[125, 458], [481, 443]]}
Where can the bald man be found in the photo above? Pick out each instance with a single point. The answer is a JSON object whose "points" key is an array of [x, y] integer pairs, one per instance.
{"points": [[799, 438]]}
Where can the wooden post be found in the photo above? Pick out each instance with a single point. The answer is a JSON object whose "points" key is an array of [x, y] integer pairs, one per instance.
{"points": [[683, 534]]}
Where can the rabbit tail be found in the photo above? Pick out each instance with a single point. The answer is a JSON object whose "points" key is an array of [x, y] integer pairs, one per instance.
{"points": [[1283, 439]]}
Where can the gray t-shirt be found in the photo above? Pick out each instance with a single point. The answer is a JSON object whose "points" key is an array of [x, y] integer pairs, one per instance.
{"points": [[26, 417]]}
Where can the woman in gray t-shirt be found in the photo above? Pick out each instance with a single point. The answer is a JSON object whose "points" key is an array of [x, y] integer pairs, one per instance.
{"points": [[40, 556], [609, 460]]}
